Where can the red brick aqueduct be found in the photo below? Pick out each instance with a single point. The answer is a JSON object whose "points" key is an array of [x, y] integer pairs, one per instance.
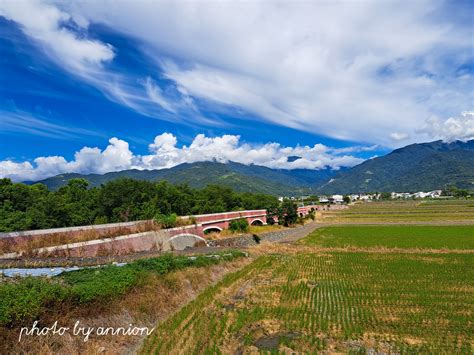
{"points": [[128, 236], [120, 238]]}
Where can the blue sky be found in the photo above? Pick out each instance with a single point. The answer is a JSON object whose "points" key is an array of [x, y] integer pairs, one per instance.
{"points": [[93, 87]]}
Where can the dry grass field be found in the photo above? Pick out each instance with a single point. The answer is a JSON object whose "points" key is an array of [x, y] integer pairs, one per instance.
{"points": [[432, 211]]}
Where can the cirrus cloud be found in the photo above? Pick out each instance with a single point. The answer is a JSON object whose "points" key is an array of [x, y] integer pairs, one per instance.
{"points": [[366, 71], [44, 23]]}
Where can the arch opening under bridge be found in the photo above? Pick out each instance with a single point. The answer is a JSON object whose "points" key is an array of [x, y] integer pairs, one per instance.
{"points": [[186, 240], [212, 229], [257, 222]]}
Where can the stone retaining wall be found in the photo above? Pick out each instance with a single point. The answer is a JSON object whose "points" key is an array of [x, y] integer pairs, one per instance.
{"points": [[247, 240]]}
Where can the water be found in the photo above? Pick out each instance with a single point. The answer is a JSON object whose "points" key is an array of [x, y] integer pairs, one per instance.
{"points": [[57, 270], [47, 271]]}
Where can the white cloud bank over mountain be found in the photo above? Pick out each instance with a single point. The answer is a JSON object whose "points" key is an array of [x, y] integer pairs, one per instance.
{"points": [[164, 153], [454, 128], [367, 71]]}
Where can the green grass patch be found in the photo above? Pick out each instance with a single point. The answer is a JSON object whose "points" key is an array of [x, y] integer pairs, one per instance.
{"points": [[25, 299], [434, 237]]}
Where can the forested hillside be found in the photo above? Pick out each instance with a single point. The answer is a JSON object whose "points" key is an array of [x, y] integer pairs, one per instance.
{"points": [[239, 177], [24, 207], [417, 167]]}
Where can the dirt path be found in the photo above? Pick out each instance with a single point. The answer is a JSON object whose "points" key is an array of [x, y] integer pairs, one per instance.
{"points": [[302, 232]]}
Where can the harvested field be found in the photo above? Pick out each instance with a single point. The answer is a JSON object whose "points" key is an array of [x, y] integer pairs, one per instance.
{"points": [[442, 211]]}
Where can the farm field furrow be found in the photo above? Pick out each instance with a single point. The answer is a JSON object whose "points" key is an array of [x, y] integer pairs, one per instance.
{"points": [[443, 211], [398, 236], [348, 302]]}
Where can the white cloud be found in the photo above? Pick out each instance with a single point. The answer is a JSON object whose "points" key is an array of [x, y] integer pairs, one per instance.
{"points": [[354, 70], [454, 128], [155, 94], [399, 136], [164, 153], [366, 71], [87, 58], [42, 22]]}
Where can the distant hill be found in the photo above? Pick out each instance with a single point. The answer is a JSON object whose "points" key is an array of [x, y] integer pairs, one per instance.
{"points": [[416, 167], [240, 177]]}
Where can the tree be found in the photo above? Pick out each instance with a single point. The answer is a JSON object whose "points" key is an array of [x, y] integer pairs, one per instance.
{"points": [[166, 221], [346, 199], [287, 213], [25, 207], [270, 219], [239, 225]]}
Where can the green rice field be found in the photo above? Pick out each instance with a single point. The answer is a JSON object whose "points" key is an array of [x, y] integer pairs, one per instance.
{"points": [[398, 236], [336, 302]]}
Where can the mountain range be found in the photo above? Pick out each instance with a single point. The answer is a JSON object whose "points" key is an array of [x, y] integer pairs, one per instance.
{"points": [[416, 167]]}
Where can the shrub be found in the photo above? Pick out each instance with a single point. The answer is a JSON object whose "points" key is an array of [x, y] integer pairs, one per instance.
{"points": [[26, 298], [100, 220], [161, 265], [270, 220], [166, 221], [239, 225], [256, 238], [102, 283]]}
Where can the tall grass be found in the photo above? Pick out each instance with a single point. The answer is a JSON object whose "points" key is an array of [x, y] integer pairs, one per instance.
{"points": [[28, 245]]}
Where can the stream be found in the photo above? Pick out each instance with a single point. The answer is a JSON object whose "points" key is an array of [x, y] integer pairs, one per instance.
{"points": [[47, 271]]}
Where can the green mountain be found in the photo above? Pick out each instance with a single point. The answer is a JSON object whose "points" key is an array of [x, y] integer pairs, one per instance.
{"points": [[240, 177], [416, 167]]}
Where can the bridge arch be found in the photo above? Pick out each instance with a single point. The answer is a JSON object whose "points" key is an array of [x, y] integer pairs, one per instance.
{"points": [[185, 240], [211, 229], [257, 222]]}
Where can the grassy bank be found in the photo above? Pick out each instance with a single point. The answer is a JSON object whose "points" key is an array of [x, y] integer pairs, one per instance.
{"points": [[22, 300]]}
